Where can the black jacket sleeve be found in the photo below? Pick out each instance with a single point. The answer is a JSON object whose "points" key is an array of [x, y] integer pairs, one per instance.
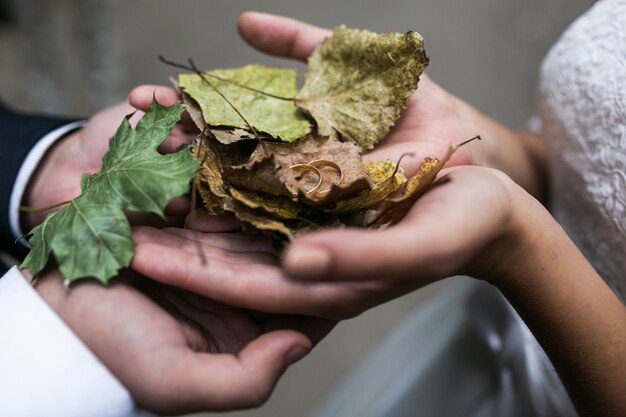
{"points": [[18, 134]]}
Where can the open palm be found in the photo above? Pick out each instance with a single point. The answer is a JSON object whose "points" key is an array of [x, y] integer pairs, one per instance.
{"points": [[177, 352], [431, 123]]}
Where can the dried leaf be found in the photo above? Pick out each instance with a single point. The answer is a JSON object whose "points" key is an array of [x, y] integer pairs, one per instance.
{"points": [[391, 211], [279, 118], [269, 169], [387, 179], [277, 206], [358, 82], [258, 220]]}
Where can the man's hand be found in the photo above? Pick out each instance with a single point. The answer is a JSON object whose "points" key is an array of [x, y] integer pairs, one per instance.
{"points": [[57, 178], [177, 352]]}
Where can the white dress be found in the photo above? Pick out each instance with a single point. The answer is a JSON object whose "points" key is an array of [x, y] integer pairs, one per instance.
{"points": [[466, 353]]}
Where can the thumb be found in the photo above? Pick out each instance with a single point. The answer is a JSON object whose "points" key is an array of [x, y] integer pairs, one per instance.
{"points": [[349, 255]]}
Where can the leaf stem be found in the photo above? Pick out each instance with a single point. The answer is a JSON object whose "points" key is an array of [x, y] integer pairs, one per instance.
{"points": [[226, 80], [477, 137], [27, 209]]}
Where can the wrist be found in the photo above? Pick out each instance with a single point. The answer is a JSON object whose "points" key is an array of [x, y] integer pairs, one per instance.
{"points": [[510, 253], [530, 240]]}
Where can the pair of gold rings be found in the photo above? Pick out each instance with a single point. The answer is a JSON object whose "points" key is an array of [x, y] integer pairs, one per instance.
{"points": [[316, 166]]}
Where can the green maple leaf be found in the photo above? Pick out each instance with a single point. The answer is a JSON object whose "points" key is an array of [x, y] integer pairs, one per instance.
{"points": [[358, 82], [280, 118], [91, 236]]}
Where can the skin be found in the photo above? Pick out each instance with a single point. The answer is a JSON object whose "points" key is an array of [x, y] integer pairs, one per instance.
{"points": [[174, 351], [485, 221], [57, 177]]}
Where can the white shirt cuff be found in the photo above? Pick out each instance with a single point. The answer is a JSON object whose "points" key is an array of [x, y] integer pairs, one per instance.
{"points": [[45, 369], [26, 171]]}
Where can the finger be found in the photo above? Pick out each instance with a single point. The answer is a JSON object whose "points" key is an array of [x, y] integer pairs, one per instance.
{"points": [[141, 98], [137, 218], [349, 254], [177, 139], [178, 206], [313, 327], [239, 242], [202, 381], [253, 286], [423, 247], [156, 236], [280, 36], [203, 221]]}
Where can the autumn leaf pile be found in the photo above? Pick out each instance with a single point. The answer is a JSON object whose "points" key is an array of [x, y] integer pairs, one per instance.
{"points": [[284, 161], [288, 162]]}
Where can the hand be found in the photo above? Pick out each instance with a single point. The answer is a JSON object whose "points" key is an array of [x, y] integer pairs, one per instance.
{"points": [[57, 178], [195, 354], [340, 273], [434, 120]]}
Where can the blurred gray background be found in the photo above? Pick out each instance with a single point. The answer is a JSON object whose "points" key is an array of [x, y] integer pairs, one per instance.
{"points": [[75, 57]]}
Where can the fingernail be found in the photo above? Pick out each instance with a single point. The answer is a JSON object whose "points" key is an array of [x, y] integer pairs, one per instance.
{"points": [[295, 354], [307, 262]]}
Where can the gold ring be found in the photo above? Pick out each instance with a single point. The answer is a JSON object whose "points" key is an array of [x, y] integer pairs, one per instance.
{"points": [[331, 164], [307, 167]]}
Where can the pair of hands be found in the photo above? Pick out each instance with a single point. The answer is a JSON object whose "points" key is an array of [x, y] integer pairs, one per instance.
{"points": [[340, 273], [333, 275]]}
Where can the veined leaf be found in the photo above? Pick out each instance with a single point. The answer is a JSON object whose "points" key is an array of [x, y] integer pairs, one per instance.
{"points": [[91, 237], [277, 117], [358, 82]]}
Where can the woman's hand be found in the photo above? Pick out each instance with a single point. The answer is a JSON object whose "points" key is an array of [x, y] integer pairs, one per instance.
{"points": [[434, 120], [452, 229]]}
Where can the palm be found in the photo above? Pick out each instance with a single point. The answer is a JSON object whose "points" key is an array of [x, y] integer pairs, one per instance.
{"points": [[154, 339], [428, 127]]}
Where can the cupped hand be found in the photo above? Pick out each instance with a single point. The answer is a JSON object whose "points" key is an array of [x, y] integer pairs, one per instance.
{"points": [[431, 124], [57, 178], [428, 127], [434, 120], [466, 224], [178, 352]]}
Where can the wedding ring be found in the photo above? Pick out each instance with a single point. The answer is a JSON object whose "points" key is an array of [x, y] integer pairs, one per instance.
{"points": [[331, 164], [310, 168]]}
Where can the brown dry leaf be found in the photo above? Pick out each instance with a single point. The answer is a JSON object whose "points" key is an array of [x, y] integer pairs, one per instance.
{"points": [[257, 219], [269, 169], [210, 171], [391, 211], [278, 206], [387, 179]]}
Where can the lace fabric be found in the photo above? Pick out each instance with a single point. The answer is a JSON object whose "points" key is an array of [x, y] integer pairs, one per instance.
{"points": [[582, 105]]}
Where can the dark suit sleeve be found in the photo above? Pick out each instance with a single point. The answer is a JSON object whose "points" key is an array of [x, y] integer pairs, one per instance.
{"points": [[18, 134]]}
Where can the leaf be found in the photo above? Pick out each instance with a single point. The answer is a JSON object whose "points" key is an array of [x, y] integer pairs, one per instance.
{"points": [[258, 220], [387, 179], [271, 169], [91, 237], [280, 118], [226, 136], [277, 206], [358, 82], [391, 211]]}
